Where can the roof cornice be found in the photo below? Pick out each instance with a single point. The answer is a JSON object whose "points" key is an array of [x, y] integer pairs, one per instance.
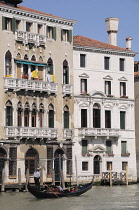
{"points": [[104, 50], [35, 15]]}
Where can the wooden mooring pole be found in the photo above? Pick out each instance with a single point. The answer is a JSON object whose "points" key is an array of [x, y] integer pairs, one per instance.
{"points": [[27, 179], [53, 176], [19, 178], [110, 175], [41, 177], [3, 181], [126, 173]]}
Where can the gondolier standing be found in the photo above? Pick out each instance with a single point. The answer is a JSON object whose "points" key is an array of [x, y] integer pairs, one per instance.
{"points": [[37, 178]]}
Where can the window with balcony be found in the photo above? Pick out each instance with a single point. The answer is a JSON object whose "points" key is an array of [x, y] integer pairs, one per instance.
{"points": [[12, 161], [96, 116], [123, 147], [28, 27], [85, 166], [83, 86], [106, 63], [84, 147], [109, 147], [31, 160], [9, 114], [39, 29], [83, 118], [124, 165], [122, 119], [19, 114], [8, 64], [107, 119], [121, 64], [108, 88], [122, 89], [50, 66], [17, 24], [51, 32], [109, 164], [65, 72], [26, 115], [82, 60], [66, 117], [66, 35], [51, 116]]}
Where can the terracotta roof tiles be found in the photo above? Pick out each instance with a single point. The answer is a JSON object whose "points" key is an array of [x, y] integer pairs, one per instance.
{"points": [[88, 42]]}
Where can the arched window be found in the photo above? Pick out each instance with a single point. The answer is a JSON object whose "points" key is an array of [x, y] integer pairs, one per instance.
{"points": [[8, 63], [9, 114], [33, 58], [40, 59], [50, 66], [33, 115], [26, 115], [3, 158], [97, 161], [33, 69], [51, 116], [19, 114], [25, 68], [41, 112], [65, 72], [96, 116], [40, 70], [66, 117], [31, 160], [18, 56]]}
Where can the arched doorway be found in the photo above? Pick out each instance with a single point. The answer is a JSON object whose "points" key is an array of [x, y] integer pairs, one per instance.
{"points": [[31, 160], [58, 163], [3, 158], [97, 160]]}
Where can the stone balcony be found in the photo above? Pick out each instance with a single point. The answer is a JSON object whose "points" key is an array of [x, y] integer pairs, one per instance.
{"points": [[99, 132], [32, 85], [67, 133], [28, 37], [67, 89], [30, 132]]}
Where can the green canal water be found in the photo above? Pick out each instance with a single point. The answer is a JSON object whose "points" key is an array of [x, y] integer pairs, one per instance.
{"points": [[98, 198]]}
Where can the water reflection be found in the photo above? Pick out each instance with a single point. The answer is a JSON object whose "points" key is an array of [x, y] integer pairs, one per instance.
{"points": [[98, 198]]}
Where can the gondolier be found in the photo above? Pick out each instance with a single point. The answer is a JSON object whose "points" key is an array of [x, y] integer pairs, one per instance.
{"points": [[37, 178]]}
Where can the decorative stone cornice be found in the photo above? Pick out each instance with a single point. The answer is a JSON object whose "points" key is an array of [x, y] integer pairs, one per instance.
{"points": [[17, 11]]}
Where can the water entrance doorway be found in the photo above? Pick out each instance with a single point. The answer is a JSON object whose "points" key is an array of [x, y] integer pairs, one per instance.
{"points": [[58, 163]]}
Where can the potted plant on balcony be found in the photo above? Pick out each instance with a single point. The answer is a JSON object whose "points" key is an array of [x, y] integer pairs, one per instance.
{"points": [[124, 96], [127, 154]]}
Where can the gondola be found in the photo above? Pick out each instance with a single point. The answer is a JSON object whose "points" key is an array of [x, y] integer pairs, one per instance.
{"points": [[45, 194]]}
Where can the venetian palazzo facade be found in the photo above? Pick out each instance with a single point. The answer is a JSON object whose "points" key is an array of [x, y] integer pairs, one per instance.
{"points": [[36, 82], [104, 105]]}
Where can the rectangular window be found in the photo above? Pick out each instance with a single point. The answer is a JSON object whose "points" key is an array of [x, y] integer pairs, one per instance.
{"points": [[17, 24], [66, 35], [124, 164], [122, 89], [84, 86], [83, 118], [122, 120], [108, 166], [123, 147], [8, 24], [107, 119], [121, 63], [12, 161], [96, 118], [84, 166], [108, 147], [82, 60], [108, 87], [84, 146], [39, 29], [51, 32], [51, 119], [106, 63], [28, 26], [69, 167]]}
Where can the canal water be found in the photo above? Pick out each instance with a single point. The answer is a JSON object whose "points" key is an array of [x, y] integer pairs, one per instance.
{"points": [[98, 198]]}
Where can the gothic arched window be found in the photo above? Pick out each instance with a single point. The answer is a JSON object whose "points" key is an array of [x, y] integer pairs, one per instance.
{"points": [[9, 114], [65, 72], [66, 117], [8, 63], [51, 116], [31, 160]]}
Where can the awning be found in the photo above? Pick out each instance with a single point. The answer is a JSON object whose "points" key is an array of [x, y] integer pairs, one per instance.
{"points": [[30, 63]]}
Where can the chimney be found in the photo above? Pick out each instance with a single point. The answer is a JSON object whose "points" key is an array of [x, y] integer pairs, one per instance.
{"points": [[128, 43], [112, 29]]}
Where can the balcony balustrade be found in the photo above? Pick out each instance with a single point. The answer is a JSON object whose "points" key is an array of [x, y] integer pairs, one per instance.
{"points": [[33, 132], [28, 37], [99, 132], [67, 89], [32, 85], [67, 133]]}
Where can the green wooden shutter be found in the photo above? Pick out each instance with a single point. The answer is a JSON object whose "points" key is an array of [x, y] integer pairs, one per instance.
{"points": [[61, 35], [84, 146], [13, 24], [70, 36], [122, 120], [123, 147], [54, 33], [66, 119], [3, 23]]}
